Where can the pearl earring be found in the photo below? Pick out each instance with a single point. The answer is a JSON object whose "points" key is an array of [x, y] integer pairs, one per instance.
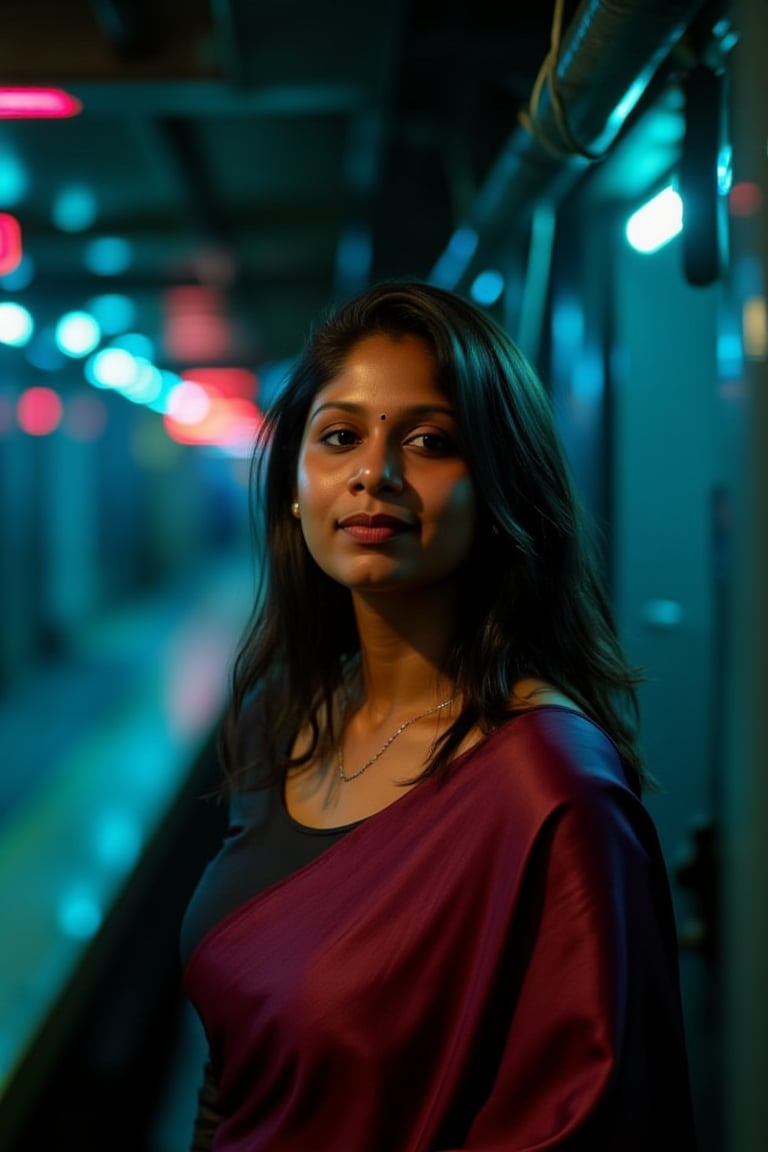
{"points": [[295, 509]]}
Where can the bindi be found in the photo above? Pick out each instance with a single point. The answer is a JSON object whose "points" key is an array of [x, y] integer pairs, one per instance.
{"points": [[383, 416]]}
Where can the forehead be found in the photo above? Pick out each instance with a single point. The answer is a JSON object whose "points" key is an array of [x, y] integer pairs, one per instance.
{"points": [[384, 369]]}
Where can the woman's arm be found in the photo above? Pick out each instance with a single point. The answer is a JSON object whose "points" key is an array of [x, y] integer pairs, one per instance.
{"points": [[594, 1055]]}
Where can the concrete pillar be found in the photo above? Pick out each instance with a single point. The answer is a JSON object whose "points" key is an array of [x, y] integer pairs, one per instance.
{"points": [[745, 775]]}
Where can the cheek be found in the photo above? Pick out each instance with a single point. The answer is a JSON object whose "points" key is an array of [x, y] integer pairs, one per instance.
{"points": [[317, 474], [314, 490]]}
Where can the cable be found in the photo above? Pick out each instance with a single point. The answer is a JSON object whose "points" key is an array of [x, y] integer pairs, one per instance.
{"points": [[548, 74]]}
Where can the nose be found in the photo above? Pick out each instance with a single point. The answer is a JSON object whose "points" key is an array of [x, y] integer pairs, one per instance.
{"points": [[380, 470]]}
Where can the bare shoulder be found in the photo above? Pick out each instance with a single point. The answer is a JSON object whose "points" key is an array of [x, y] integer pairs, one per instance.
{"points": [[534, 693], [527, 695]]}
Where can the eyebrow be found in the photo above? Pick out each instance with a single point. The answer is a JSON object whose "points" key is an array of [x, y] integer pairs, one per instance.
{"points": [[410, 411]]}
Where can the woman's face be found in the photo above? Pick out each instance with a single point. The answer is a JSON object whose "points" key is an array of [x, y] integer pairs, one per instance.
{"points": [[385, 495]]}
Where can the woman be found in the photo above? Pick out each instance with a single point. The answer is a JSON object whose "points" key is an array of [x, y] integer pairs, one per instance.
{"points": [[440, 918]]}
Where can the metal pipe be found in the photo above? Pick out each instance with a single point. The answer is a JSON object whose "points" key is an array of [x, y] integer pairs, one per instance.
{"points": [[607, 58]]}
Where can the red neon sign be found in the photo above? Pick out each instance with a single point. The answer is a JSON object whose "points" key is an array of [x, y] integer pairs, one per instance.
{"points": [[37, 104]]}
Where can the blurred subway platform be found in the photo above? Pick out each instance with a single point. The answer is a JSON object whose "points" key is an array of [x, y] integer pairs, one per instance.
{"points": [[106, 819]]}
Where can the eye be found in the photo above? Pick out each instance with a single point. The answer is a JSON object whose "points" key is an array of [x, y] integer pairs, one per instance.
{"points": [[340, 438], [434, 443]]}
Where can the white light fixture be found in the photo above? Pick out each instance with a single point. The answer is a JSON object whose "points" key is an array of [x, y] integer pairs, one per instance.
{"points": [[657, 222]]}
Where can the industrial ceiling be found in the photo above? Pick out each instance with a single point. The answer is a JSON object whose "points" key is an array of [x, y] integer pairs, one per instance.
{"points": [[264, 158]]}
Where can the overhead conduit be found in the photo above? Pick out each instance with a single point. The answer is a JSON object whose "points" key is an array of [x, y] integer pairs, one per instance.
{"points": [[592, 78]]}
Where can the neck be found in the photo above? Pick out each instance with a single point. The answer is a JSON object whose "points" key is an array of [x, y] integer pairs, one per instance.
{"points": [[394, 677], [404, 650]]}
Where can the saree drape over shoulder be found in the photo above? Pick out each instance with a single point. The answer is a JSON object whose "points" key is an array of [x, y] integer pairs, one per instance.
{"points": [[490, 963]]}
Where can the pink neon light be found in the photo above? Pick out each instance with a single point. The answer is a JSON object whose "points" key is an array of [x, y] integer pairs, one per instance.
{"points": [[37, 103], [227, 423], [10, 243], [225, 381]]}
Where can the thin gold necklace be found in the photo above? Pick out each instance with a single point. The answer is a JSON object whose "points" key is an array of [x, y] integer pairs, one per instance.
{"points": [[390, 739]]}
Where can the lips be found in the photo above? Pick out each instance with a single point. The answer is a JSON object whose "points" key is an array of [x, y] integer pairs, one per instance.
{"points": [[373, 529]]}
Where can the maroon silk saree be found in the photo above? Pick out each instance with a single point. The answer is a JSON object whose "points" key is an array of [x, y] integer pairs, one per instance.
{"points": [[489, 963]]}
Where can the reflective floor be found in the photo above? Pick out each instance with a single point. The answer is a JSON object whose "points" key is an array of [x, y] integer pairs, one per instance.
{"points": [[97, 755]]}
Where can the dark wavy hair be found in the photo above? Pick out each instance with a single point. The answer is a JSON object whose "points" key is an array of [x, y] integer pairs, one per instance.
{"points": [[533, 602]]}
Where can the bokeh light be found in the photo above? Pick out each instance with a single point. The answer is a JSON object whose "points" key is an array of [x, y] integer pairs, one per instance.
{"points": [[108, 256], [16, 324], [39, 411], [77, 333]]}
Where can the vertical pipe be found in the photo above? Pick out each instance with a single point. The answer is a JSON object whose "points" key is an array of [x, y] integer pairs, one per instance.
{"points": [[537, 281], [745, 788]]}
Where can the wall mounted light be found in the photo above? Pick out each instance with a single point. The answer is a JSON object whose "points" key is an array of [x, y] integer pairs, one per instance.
{"points": [[657, 222]]}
